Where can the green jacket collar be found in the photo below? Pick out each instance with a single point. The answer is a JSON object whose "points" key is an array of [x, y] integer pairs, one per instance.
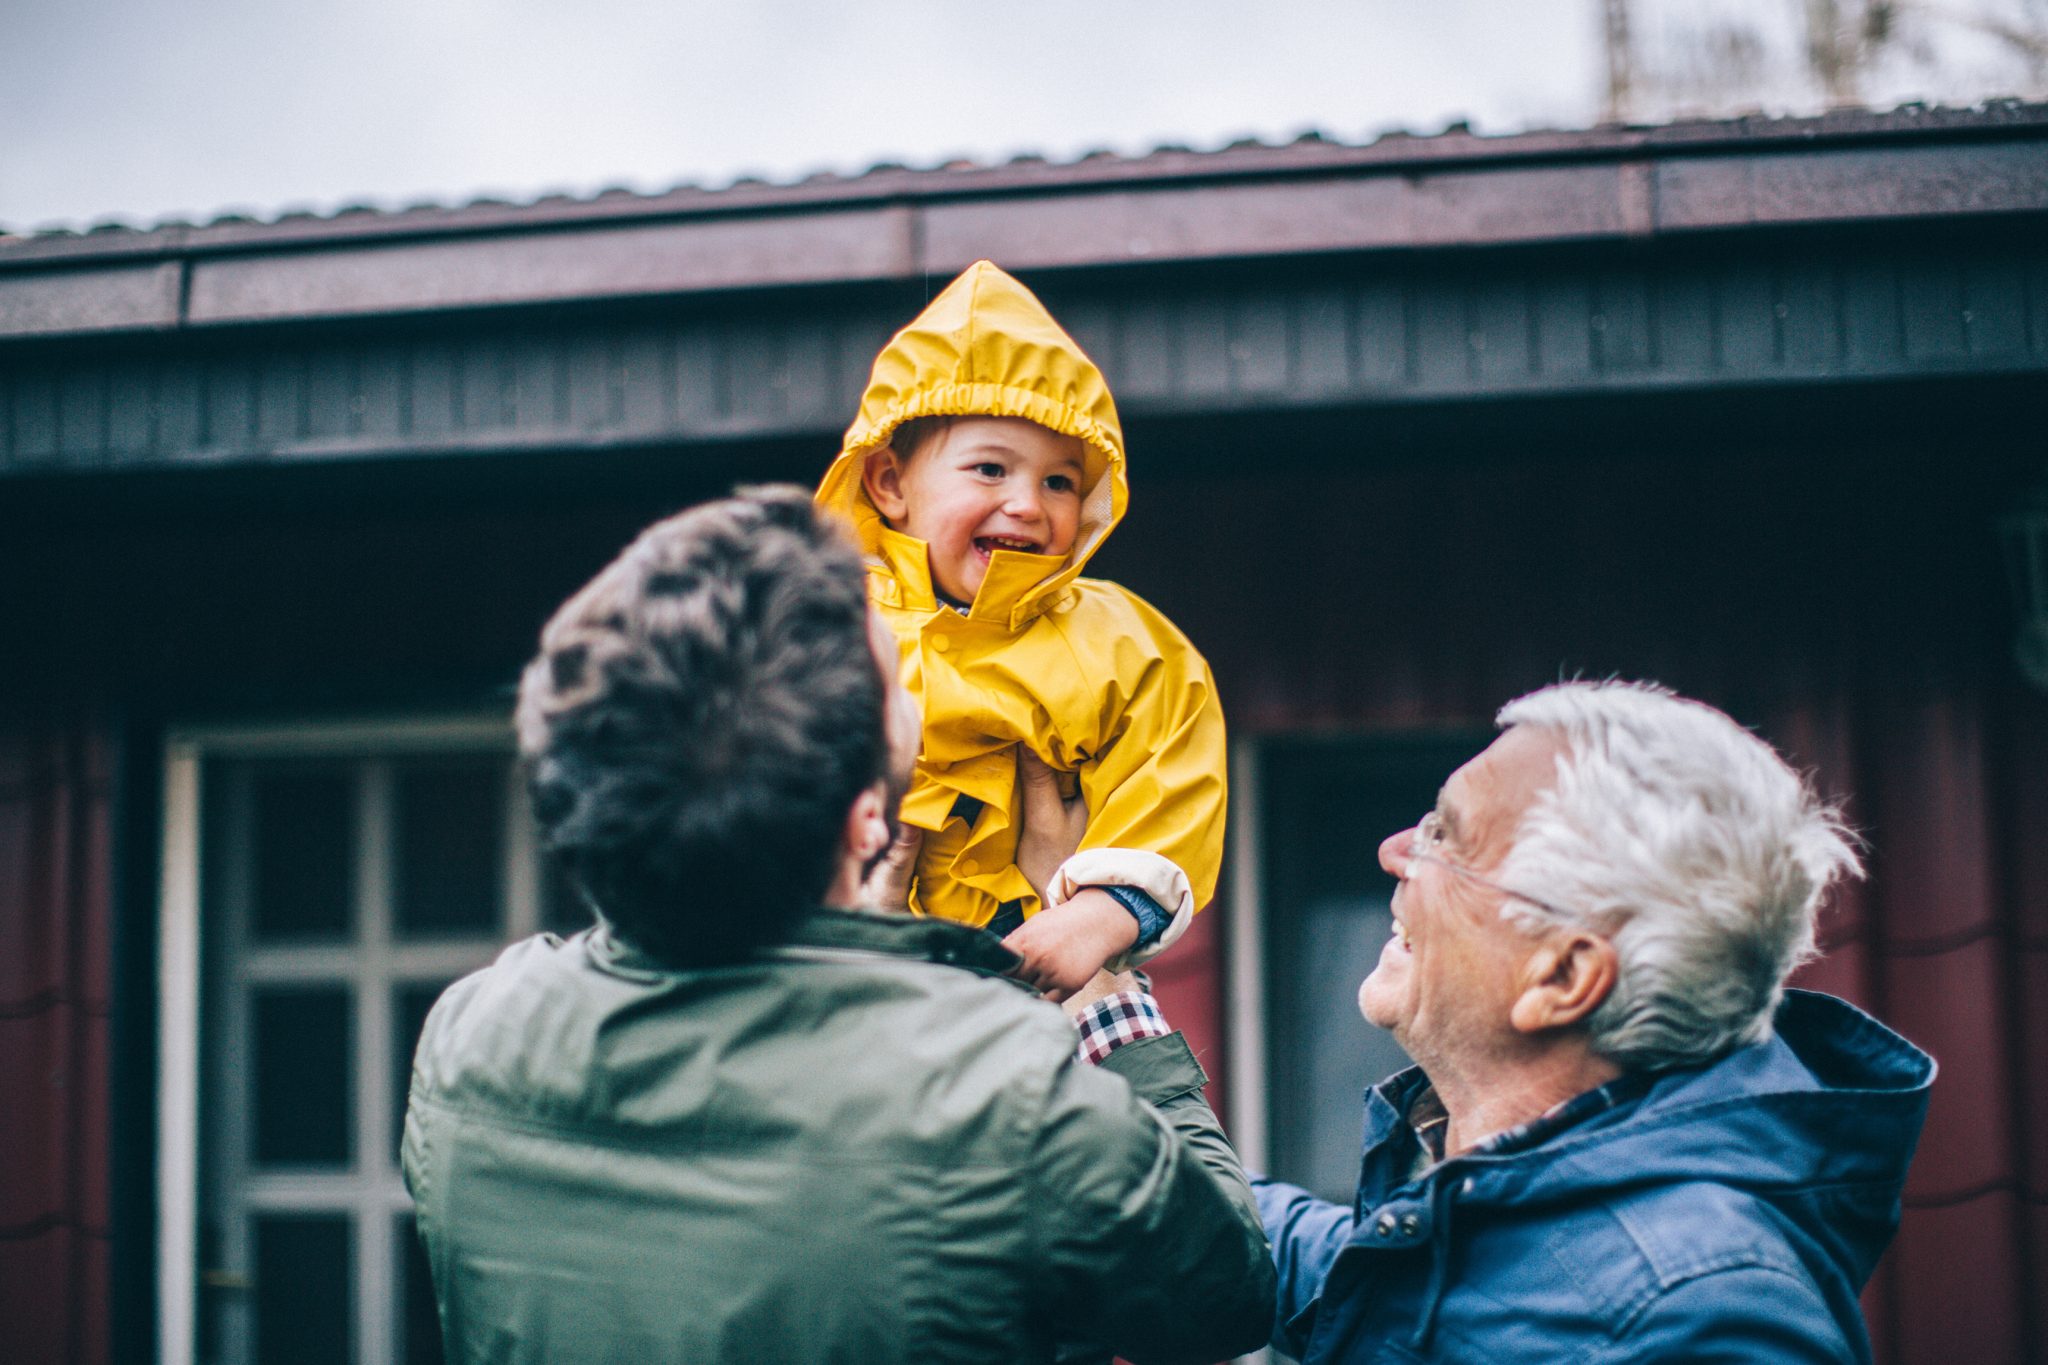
{"points": [[912, 937]]}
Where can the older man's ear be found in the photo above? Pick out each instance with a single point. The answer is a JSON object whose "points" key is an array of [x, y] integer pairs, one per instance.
{"points": [[1563, 982]]}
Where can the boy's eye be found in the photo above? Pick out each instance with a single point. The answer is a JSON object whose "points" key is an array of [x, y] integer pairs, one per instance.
{"points": [[1060, 483], [989, 469]]}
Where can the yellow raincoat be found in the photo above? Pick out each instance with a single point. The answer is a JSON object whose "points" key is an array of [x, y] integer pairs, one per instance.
{"points": [[1092, 678]]}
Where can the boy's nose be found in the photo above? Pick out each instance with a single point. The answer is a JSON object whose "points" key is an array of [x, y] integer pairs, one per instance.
{"points": [[1025, 503]]}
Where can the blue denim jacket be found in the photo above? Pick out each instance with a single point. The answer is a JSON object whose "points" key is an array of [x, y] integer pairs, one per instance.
{"points": [[1726, 1212]]}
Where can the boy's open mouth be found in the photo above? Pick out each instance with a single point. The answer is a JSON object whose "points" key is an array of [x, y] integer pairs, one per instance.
{"points": [[988, 545]]}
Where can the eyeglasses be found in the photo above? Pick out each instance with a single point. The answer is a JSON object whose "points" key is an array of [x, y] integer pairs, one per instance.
{"points": [[1427, 847]]}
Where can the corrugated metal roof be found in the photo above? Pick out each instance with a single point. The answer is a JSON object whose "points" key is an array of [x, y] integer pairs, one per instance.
{"points": [[1309, 153]]}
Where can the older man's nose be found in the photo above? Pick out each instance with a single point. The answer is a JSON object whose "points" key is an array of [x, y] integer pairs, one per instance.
{"points": [[1394, 851]]}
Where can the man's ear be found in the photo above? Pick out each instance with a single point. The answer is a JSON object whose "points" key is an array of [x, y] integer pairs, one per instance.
{"points": [[866, 832], [867, 823], [863, 838], [1564, 981], [881, 475]]}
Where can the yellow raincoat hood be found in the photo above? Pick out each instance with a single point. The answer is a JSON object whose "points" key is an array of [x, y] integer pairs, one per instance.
{"points": [[985, 347]]}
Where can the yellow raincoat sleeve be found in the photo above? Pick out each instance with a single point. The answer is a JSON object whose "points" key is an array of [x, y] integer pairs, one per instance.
{"points": [[1156, 789]]}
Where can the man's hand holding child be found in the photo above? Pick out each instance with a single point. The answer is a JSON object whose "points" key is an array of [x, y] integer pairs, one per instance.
{"points": [[1064, 945]]}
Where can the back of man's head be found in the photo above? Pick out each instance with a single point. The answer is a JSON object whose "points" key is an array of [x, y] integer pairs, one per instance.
{"points": [[699, 720], [1690, 845]]}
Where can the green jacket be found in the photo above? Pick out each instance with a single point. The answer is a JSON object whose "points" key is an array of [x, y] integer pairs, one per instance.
{"points": [[865, 1147]]}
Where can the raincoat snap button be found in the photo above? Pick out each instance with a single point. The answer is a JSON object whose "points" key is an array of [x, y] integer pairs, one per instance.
{"points": [[1385, 1227], [1411, 1225], [941, 643], [968, 867]]}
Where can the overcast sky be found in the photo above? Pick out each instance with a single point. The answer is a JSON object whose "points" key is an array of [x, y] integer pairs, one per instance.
{"points": [[141, 110], [146, 110]]}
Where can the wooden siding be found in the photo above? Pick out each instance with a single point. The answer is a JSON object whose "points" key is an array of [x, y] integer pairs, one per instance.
{"points": [[1250, 200], [1306, 335]]}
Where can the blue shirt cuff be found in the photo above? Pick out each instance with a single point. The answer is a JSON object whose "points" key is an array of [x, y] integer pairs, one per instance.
{"points": [[1151, 916]]}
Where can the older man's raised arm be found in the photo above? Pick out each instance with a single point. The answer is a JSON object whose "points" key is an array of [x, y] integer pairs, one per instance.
{"points": [[1150, 1237], [1306, 1234]]}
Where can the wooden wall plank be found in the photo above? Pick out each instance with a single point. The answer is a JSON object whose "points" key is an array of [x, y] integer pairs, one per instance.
{"points": [[1413, 328], [1994, 300], [1563, 303], [229, 386], [37, 439], [1745, 319], [1931, 310], [1322, 343], [131, 403], [1380, 335], [1809, 311], [82, 413]]}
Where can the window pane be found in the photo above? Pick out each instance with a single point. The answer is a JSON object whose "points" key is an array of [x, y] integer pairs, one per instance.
{"points": [[302, 1096], [411, 1004], [1327, 804], [422, 1319], [304, 1304], [450, 829], [304, 827]]}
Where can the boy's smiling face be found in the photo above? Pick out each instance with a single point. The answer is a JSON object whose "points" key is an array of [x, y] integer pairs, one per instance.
{"points": [[980, 485]]}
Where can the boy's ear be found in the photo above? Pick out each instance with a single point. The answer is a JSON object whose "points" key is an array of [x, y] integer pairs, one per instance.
{"points": [[882, 476]]}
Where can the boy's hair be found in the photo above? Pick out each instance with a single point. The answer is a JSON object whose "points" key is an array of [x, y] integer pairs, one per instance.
{"points": [[700, 719], [913, 435]]}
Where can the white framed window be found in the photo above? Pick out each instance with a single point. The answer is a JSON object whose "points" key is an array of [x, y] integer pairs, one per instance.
{"points": [[322, 883]]}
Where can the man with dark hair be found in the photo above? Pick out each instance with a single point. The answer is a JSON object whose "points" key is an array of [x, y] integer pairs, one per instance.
{"points": [[726, 1124]]}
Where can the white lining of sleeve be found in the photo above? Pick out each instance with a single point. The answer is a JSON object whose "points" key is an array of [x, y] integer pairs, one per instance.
{"points": [[1158, 877]]}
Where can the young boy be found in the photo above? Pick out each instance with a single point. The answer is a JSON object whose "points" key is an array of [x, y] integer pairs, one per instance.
{"points": [[985, 467]]}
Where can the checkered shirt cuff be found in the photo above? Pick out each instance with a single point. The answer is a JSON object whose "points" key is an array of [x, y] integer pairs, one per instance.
{"points": [[1114, 1020]]}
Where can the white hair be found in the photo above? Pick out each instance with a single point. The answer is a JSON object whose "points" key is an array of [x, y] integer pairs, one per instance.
{"points": [[1684, 840]]}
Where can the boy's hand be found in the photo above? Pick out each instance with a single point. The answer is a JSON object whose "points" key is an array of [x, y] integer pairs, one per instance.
{"points": [[1050, 824], [1065, 945]]}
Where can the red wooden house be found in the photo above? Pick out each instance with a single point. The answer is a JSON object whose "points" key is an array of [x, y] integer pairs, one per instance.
{"points": [[1415, 426]]}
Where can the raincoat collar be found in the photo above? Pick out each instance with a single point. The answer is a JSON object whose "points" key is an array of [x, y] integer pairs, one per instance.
{"points": [[984, 347]]}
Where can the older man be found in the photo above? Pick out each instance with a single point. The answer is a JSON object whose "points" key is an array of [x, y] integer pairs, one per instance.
{"points": [[725, 1124], [1625, 1139]]}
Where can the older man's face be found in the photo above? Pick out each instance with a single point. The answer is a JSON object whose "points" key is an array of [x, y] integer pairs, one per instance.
{"points": [[1450, 972]]}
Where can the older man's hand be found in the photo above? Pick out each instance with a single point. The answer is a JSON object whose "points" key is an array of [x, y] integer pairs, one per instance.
{"points": [[1103, 985]]}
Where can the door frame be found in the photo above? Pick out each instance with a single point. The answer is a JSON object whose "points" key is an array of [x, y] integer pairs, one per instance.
{"points": [[180, 963]]}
